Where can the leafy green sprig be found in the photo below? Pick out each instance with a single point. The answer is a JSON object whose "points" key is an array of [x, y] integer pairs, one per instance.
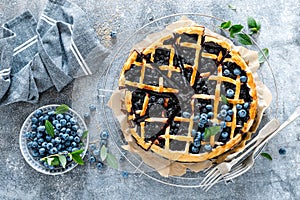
{"points": [[110, 159]]}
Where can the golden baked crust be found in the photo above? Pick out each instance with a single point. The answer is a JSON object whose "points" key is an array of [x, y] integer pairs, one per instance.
{"points": [[176, 74]]}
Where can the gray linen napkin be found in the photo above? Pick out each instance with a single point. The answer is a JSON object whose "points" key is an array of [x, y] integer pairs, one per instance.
{"points": [[37, 56]]}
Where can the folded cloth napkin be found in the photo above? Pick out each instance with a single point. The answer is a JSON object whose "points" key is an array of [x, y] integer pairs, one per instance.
{"points": [[59, 47]]}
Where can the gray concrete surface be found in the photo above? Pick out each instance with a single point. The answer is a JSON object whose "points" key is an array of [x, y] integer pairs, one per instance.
{"points": [[277, 179]]}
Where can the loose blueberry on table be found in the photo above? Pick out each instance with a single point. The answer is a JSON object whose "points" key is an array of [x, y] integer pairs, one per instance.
{"points": [[55, 139]]}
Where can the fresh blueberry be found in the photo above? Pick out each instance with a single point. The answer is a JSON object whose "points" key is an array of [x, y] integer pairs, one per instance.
{"points": [[44, 144], [48, 138], [92, 159], [74, 149], [63, 130], [29, 144], [229, 93], [77, 139], [243, 79], [92, 107], [59, 147], [196, 118], [224, 134], [73, 121], [39, 135], [282, 151], [160, 101], [69, 149], [67, 143], [194, 132], [75, 128], [68, 130], [246, 105], [103, 142], [69, 159], [74, 133], [201, 125], [207, 147], [51, 113], [56, 132], [40, 140], [113, 34], [195, 149], [33, 127], [198, 136], [69, 125], [197, 143], [74, 144], [35, 153], [58, 126], [230, 112], [228, 118], [71, 138], [226, 72], [96, 152], [209, 107], [223, 124], [67, 117], [99, 165], [210, 115], [223, 113], [53, 141], [242, 113], [34, 120], [237, 71], [124, 174], [186, 115], [49, 145], [53, 150], [41, 119], [239, 106], [55, 122], [41, 129], [224, 107], [57, 140], [86, 115], [38, 113], [45, 117], [59, 117], [104, 135], [92, 146], [42, 151], [28, 134], [63, 122]]}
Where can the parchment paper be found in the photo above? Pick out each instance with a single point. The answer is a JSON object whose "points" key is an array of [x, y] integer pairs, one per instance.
{"points": [[164, 166]]}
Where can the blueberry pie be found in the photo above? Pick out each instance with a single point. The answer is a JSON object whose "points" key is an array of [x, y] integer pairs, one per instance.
{"points": [[189, 96]]}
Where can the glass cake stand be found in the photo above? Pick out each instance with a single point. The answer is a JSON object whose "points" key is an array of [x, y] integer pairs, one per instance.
{"points": [[109, 82]]}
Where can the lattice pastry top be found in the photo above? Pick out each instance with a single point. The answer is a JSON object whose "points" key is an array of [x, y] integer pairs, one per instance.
{"points": [[189, 96]]}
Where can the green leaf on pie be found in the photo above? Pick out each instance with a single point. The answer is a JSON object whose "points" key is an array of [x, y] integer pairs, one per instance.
{"points": [[112, 161], [62, 160], [253, 25], [225, 25], [244, 39], [266, 155], [49, 128], [84, 135], [232, 7], [261, 57], [210, 131], [235, 29], [224, 99], [62, 109], [103, 153]]}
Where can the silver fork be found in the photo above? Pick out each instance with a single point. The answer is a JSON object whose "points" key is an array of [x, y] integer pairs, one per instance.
{"points": [[208, 182], [221, 169], [249, 161]]}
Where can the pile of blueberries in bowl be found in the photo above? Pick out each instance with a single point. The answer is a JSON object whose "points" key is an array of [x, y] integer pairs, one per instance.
{"points": [[53, 139]]}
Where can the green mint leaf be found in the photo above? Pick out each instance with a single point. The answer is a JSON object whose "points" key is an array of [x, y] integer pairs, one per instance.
{"points": [[210, 131], [232, 7], [253, 25], [78, 152], [49, 128], [244, 39], [224, 99], [112, 161], [235, 29], [77, 159], [55, 161], [84, 135], [62, 160], [261, 57], [225, 25], [49, 160], [266, 155], [103, 153], [61, 109]]}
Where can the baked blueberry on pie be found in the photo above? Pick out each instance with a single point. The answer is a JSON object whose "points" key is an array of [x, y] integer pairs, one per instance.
{"points": [[189, 96]]}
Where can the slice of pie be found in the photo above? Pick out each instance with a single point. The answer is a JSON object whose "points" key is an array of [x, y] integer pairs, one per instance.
{"points": [[189, 96]]}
